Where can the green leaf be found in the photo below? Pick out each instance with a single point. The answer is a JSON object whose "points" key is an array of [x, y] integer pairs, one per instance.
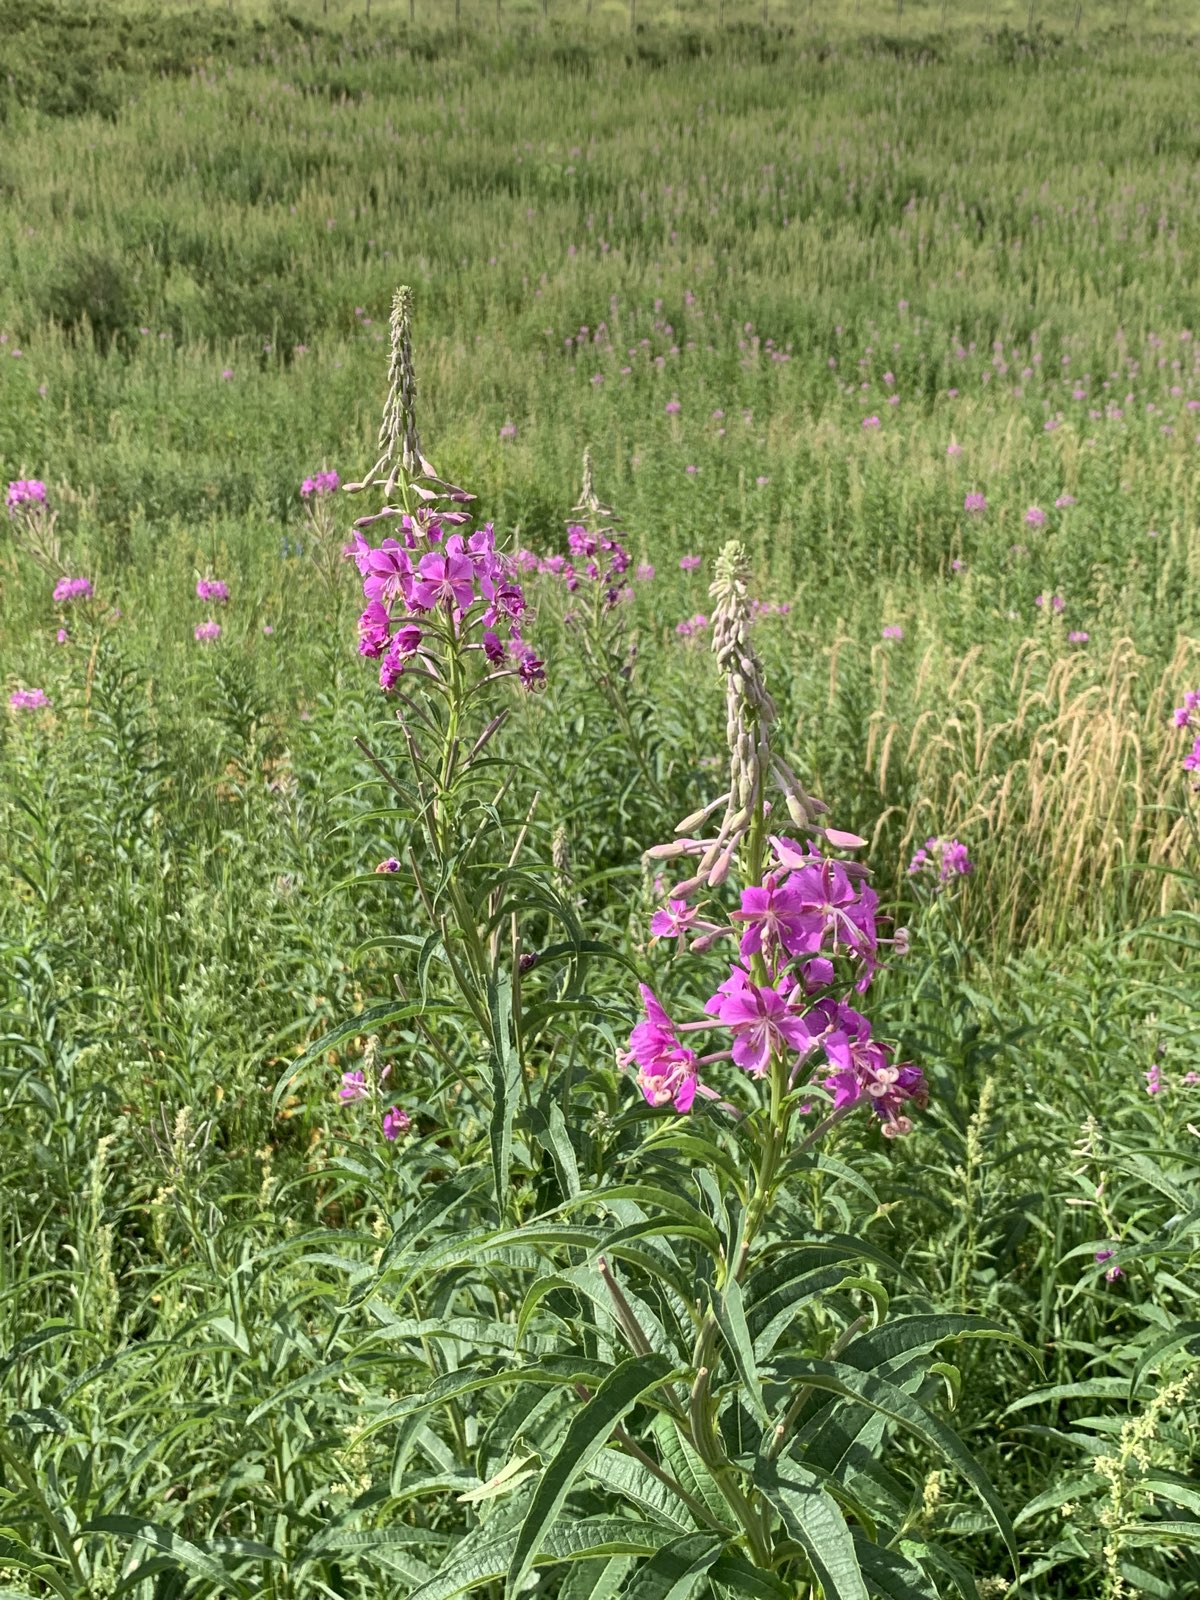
{"points": [[1186, 1333], [674, 1572], [598, 1579], [737, 1575], [813, 1519], [731, 1319], [181, 1551], [557, 1371], [504, 1069], [892, 1401], [488, 1560], [588, 1433], [892, 1574]]}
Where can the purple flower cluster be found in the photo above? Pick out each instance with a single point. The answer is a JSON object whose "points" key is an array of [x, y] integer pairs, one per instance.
{"points": [[68, 589], [893, 631], [24, 492], [596, 557], [947, 857], [460, 582], [355, 1087], [212, 589], [207, 632], [809, 914], [692, 626], [975, 504], [1188, 716], [28, 699], [1056, 603], [320, 483]]}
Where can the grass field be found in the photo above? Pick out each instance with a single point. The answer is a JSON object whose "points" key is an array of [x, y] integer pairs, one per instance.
{"points": [[904, 300]]}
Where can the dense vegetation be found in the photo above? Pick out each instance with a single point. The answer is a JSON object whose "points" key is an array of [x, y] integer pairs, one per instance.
{"points": [[909, 310]]}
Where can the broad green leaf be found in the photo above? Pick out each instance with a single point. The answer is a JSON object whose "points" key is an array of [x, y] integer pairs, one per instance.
{"points": [[891, 1574], [1185, 1333], [813, 1519], [588, 1433], [557, 1371], [629, 1479], [596, 1579], [892, 1401], [488, 1560], [504, 1071], [731, 1319], [676, 1570], [198, 1563]]}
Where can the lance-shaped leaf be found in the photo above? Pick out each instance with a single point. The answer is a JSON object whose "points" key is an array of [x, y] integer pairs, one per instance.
{"points": [[675, 1572], [505, 1071], [892, 1401], [489, 1559], [181, 1552], [588, 1433], [813, 1519]]}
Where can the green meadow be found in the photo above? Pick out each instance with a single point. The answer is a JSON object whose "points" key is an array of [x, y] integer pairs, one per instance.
{"points": [[903, 298]]}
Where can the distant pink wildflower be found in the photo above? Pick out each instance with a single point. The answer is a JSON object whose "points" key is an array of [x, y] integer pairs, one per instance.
{"points": [[28, 699], [69, 589]]}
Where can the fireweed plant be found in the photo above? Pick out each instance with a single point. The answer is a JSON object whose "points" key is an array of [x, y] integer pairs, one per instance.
{"points": [[651, 1363]]}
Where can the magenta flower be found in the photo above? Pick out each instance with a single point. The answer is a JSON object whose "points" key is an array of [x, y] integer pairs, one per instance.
{"points": [[354, 1087], [400, 652], [321, 483], [443, 579], [1114, 1272], [212, 589], [387, 572], [760, 1020], [672, 921], [1063, 501], [1155, 1082], [509, 431], [531, 670], [774, 918], [395, 1122], [1035, 517], [206, 632], [645, 572], [689, 563], [24, 492], [1078, 636], [947, 856], [666, 1068], [863, 1070], [893, 631], [374, 630], [975, 504], [871, 422], [69, 589], [62, 637], [953, 449], [28, 699], [673, 408]]}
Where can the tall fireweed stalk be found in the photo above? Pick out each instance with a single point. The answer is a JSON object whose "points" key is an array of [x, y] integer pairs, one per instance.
{"points": [[444, 618], [660, 1371]]}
